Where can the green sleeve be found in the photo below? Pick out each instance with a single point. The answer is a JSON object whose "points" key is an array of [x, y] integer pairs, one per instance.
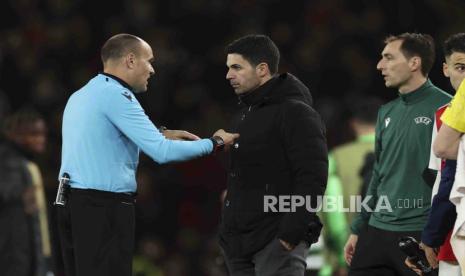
{"points": [[336, 222]]}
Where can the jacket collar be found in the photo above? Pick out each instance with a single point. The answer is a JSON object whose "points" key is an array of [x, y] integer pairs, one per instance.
{"points": [[262, 93], [416, 95], [122, 82]]}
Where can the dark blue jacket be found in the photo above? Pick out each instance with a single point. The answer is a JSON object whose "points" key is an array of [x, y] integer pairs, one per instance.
{"points": [[442, 213]]}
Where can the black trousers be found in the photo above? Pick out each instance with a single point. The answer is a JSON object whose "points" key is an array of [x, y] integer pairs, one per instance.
{"points": [[97, 233], [272, 260], [377, 253]]}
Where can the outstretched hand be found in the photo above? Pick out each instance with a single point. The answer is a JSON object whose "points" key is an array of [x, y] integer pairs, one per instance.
{"points": [[228, 138]]}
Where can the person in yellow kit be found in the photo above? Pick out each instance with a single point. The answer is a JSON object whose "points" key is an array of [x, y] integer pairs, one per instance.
{"points": [[447, 142], [447, 145]]}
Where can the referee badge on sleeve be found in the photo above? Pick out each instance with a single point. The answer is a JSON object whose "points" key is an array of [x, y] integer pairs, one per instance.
{"points": [[127, 95]]}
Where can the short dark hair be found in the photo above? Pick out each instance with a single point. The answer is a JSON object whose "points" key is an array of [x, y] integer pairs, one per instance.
{"points": [[21, 120], [454, 43], [256, 49], [365, 109], [119, 45], [415, 44]]}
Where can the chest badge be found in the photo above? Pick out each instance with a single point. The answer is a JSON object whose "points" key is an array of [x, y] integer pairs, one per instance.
{"points": [[422, 120], [387, 121]]}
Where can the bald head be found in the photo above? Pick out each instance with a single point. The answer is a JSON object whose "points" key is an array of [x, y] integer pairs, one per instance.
{"points": [[129, 58], [119, 46]]}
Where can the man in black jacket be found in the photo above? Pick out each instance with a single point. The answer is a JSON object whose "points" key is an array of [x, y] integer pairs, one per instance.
{"points": [[24, 237], [281, 153]]}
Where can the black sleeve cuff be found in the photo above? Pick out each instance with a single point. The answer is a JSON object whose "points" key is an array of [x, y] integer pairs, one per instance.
{"points": [[294, 235], [162, 128], [218, 143]]}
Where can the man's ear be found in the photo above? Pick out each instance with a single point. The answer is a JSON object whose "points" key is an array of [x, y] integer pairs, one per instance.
{"points": [[445, 70], [130, 60], [262, 69], [415, 63]]}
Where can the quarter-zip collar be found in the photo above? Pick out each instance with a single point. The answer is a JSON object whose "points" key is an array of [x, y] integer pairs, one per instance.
{"points": [[416, 95], [122, 82]]}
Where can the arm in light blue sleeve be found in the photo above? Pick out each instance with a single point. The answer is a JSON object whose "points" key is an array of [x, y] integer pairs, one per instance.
{"points": [[129, 117]]}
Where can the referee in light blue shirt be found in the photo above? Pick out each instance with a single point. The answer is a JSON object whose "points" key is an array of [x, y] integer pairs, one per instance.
{"points": [[104, 128]]}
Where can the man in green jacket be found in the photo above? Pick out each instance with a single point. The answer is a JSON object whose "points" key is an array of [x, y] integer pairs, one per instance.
{"points": [[401, 181]]}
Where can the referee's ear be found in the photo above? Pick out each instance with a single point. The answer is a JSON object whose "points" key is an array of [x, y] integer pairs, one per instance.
{"points": [[130, 60]]}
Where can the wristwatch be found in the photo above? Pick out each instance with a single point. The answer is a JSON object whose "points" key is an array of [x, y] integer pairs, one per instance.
{"points": [[218, 143], [162, 128]]}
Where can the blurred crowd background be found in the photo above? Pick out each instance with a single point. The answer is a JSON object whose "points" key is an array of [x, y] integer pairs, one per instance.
{"points": [[50, 48]]}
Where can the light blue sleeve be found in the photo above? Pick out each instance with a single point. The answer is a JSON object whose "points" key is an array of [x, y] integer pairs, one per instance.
{"points": [[125, 112]]}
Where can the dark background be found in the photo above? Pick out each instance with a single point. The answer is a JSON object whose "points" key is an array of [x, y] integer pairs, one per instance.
{"points": [[48, 49]]}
